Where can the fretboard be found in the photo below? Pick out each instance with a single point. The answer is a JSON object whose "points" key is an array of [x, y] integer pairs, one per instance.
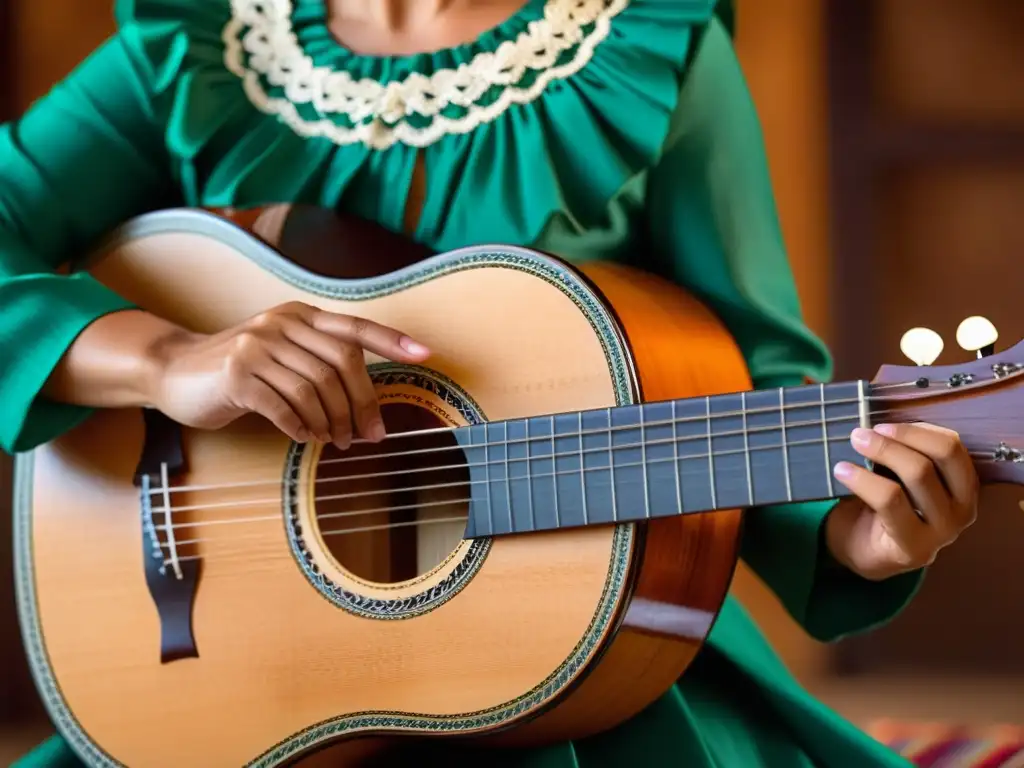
{"points": [[639, 462]]}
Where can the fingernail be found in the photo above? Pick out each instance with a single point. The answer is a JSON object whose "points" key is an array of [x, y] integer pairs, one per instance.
{"points": [[889, 430], [843, 470], [375, 431], [343, 443], [861, 438], [413, 347], [324, 438], [302, 435]]}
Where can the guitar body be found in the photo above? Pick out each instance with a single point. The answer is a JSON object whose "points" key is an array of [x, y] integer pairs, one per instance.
{"points": [[284, 638]]}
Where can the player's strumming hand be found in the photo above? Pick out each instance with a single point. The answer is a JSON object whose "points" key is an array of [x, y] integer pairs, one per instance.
{"points": [[298, 366], [883, 530]]}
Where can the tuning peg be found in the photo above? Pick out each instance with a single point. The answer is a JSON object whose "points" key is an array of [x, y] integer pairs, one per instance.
{"points": [[922, 345], [976, 334]]}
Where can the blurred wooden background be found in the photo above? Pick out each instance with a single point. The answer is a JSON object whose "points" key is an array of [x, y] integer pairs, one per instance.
{"points": [[895, 131]]}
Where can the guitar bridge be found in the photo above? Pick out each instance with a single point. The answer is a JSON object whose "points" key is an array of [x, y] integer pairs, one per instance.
{"points": [[172, 581]]}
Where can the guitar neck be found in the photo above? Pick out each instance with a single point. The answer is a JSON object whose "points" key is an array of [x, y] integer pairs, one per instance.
{"points": [[638, 462]]}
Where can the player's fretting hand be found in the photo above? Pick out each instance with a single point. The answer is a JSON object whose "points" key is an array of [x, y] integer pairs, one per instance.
{"points": [[298, 366], [885, 530]]}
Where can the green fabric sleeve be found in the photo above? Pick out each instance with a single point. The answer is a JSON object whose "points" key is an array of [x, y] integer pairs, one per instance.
{"points": [[785, 546], [83, 159], [725, 10], [714, 229]]}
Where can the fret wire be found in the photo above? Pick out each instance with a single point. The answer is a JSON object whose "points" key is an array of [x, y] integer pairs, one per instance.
{"points": [[643, 464], [711, 454], [486, 475], [785, 444], [611, 465], [554, 468], [863, 415], [508, 485], [677, 471], [746, 449], [583, 474], [824, 434], [529, 476]]}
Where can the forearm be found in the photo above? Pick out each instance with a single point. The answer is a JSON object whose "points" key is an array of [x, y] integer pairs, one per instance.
{"points": [[114, 362], [85, 158]]}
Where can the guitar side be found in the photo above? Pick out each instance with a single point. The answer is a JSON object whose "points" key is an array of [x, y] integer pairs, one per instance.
{"points": [[552, 636]]}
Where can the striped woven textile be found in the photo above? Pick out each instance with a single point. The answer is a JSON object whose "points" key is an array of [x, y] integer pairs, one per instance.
{"points": [[941, 745]]}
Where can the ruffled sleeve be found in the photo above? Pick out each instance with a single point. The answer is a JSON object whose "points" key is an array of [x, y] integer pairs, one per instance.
{"points": [[712, 219], [83, 159]]}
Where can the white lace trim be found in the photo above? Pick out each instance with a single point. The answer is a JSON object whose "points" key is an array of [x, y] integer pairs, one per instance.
{"points": [[262, 30]]}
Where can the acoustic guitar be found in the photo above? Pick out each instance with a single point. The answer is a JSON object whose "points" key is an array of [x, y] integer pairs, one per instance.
{"points": [[536, 552]]}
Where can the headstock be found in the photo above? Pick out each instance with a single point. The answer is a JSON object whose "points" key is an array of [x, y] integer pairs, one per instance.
{"points": [[981, 399]]}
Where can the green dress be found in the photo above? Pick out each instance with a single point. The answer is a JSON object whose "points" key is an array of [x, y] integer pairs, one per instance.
{"points": [[603, 129]]}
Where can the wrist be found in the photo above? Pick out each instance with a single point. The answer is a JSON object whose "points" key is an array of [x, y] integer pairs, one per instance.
{"points": [[118, 361], [154, 361], [838, 534], [845, 544]]}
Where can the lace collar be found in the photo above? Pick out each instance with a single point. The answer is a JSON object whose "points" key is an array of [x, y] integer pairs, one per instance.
{"points": [[417, 108]]}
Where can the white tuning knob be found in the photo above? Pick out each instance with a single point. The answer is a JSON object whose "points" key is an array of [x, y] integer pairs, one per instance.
{"points": [[922, 345], [976, 334]]}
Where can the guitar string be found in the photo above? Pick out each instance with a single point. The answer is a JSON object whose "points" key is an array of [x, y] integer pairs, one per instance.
{"points": [[576, 435], [335, 532], [987, 455], [287, 554], [242, 503], [984, 456], [438, 486], [598, 430], [402, 507], [511, 460]]}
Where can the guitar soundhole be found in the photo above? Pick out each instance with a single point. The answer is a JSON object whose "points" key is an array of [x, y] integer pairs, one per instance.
{"points": [[393, 511]]}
